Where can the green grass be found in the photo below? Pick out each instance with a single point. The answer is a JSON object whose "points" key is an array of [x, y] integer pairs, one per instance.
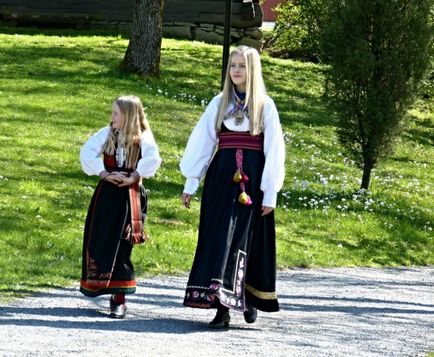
{"points": [[57, 90]]}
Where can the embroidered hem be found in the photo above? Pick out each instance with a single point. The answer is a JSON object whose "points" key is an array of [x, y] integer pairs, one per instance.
{"points": [[206, 297], [94, 288]]}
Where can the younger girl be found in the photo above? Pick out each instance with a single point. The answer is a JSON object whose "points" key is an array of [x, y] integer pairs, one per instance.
{"points": [[118, 207], [235, 262]]}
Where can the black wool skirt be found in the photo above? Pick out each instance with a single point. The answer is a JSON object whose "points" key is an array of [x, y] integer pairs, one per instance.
{"points": [[106, 259], [235, 259]]}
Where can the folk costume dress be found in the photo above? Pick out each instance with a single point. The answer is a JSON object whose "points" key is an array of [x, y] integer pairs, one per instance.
{"points": [[115, 217], [235, 260]]}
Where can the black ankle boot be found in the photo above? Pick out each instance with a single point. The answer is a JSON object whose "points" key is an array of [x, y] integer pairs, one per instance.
{"points": [[221, 319], [250, 314]]}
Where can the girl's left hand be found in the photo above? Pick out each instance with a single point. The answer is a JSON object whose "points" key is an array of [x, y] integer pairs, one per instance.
{"points": [[186, 199], [129, 180], [266, 210]]}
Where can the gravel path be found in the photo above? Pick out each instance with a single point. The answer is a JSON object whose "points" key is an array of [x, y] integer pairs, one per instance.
{"points": [[324, 312]]}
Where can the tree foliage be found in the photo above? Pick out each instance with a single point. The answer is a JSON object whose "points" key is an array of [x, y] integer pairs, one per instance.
{"points": [[378, 51], [297, 30]]}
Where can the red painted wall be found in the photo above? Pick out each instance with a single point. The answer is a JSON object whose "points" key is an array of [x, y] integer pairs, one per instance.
{"points": [[267, 7]]}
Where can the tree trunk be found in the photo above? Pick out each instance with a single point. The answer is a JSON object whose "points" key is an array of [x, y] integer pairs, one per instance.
{"points": [[143, 52], [367, 169]]}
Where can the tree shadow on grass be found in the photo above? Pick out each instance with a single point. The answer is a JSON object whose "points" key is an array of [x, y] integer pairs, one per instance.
{"points": [[305, 107], [64, 32], [420, 136]]}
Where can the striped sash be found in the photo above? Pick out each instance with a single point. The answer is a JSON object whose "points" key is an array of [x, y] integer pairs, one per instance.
{"points": [[240, 140]]}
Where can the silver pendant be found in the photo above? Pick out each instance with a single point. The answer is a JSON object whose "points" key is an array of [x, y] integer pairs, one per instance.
{"points": [[120, 156]]}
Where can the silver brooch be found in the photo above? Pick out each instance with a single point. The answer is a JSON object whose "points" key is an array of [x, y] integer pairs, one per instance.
{"points": [[239, 117]]}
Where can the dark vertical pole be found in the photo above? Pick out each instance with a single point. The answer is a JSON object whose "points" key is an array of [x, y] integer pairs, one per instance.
{"points": [[227, 39]]}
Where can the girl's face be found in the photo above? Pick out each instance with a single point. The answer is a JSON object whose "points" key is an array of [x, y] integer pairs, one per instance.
{"points": [[238, 72], [117, 118]]}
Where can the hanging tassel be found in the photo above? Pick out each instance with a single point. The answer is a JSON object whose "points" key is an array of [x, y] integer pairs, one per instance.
{"points": [[244, 199], [241, 178], [238, 176]]}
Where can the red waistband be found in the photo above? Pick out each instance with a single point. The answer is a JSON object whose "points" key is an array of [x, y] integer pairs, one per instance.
{"points": [[240, 140], [110, 164]]}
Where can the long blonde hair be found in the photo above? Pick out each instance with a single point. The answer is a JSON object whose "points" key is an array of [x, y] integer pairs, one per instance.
{"points": [[129, 135], [255, 90]]}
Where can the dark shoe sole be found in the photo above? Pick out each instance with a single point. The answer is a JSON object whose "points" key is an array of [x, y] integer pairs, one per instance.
{"points": [[115, 316], [250, 315], [219, 326]]}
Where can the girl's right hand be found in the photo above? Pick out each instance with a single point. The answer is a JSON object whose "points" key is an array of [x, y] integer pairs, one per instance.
{"points": [[186, 198]]}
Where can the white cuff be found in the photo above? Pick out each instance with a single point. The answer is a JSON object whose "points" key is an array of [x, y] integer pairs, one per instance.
{"points": [[191, 185], [269, 199]]}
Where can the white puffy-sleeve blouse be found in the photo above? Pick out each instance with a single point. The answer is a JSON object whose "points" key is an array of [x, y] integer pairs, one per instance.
{"points": [[92, 161], [203, 141]]}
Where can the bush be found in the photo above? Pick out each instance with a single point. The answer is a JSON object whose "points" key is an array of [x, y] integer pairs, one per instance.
{"points": [[379, 52], [427, 86], [297, 30]]}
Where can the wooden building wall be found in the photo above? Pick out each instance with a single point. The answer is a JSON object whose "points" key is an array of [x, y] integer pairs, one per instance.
{"points": [[201, 20], [82, 12]]}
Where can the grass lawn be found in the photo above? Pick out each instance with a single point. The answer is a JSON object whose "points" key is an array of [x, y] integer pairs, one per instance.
{"points": [[55, 91]]}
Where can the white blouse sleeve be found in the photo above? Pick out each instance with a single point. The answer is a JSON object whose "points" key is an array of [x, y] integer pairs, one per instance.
{"points": [[274, 151], [90, 154], [150, 160], [92, 161], [200, 148]]}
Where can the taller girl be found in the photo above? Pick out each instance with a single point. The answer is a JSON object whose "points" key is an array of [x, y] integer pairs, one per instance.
{"points": [[238, 143]]}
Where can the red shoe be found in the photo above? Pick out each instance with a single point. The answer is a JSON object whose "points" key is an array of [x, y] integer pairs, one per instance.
{"points": [[117, 311]]}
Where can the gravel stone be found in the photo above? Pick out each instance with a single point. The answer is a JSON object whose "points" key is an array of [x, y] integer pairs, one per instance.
{"points": [[324, 312]]}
